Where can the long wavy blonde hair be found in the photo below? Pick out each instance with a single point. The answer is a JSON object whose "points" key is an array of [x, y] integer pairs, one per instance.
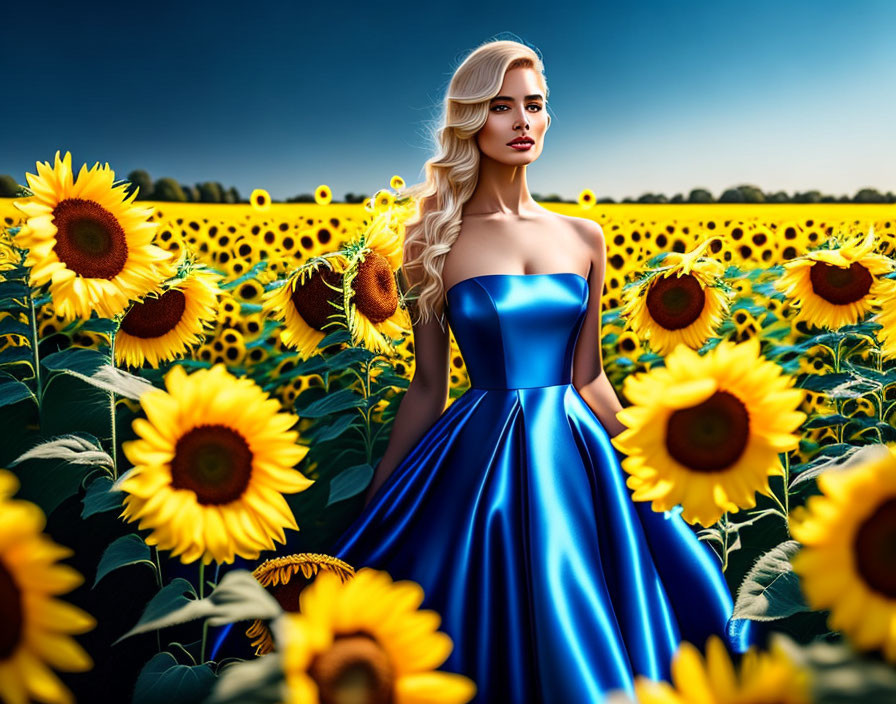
{"points": [[453, 173]]}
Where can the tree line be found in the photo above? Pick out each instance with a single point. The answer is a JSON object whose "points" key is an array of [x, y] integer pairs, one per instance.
{"points": [[169, 189]]}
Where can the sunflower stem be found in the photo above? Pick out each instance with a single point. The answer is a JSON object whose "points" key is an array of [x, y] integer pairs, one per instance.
{"points": [[724, 542], [204, 621], [112, 407], [158, 570], [838, 401], [34, 350]]}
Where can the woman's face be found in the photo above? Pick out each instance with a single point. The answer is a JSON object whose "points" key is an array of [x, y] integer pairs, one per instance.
{"points": [[517, 111]]}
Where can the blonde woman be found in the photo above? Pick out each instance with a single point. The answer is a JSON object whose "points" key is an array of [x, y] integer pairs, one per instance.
{"points": [[510, 508]]}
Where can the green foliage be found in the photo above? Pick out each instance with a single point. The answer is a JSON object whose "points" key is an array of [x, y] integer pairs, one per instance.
{"points": [[127, 550], [164, 681]]}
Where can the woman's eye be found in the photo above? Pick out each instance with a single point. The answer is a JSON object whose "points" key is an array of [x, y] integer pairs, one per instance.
{"points": [[530, 105]]}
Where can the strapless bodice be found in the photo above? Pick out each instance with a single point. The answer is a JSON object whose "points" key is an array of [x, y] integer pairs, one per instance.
{"points": [[518, 330]]}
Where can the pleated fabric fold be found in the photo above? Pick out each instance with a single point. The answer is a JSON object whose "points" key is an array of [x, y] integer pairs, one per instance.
{"points": [[513, 515]]}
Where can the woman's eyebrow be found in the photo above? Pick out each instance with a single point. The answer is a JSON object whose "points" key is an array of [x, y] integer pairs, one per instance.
{"points": [[536, 96]]}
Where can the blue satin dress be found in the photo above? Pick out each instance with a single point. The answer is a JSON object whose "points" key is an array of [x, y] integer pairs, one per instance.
{"points": [[513, 514]]}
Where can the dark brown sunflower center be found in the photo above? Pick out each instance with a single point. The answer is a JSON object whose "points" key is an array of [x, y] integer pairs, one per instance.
{"points": [[354, 670], [154, 317], [260, 199], [675, 302], [838, 285], [89, 239], [875, 549], [287, 592], [214, 461], [315, 301], [711, 436], [11, 617], [376, 294]]}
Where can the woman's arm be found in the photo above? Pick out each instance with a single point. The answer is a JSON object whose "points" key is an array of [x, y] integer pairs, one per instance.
{"points": [[588, 374]]}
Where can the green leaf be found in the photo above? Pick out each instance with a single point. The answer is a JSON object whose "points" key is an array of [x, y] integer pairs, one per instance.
{"points": [[333, 402], [339, 336], [238, 597], [99, 498], [13, 289], [350, 482], [258, 681], [334, 429], [826, 421], [771, 589], [76, 449], [163, 681], [80, 361], [11, 326], [127, 550], [94, 368], [168, 600], [14, 391], [349, 357], [19, 354]]}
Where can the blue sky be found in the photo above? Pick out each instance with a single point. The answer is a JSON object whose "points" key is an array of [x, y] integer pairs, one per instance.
{"points": [[650, 96]]}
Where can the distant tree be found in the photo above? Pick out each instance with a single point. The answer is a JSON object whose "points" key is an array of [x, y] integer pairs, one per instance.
{"points": [[677, 198], [653, 198], [807, 197], [869, 195], [355, 197], [8, 186], [210, 192], [751, 194], [167, 189], [142, 183], [777, 197], [731, 195], [605, 199], [232, 195], [891, 197], [553, 198], [700, 195], [302, 198]]}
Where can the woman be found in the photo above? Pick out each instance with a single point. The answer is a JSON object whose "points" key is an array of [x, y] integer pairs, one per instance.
{"points": [[510, 507]]}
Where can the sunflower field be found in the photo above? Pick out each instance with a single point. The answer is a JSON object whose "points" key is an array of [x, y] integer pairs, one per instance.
{"points": [[194, 398]]}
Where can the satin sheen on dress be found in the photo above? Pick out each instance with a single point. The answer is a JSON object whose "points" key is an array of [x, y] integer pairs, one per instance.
{"points": [[513, 515]]}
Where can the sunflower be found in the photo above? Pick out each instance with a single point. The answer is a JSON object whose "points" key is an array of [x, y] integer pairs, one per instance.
{"points": [[396, 183], [705, 432], [35, 628], [838, 286], [848, 560], [587, 198], [89, 241], [762, 678], [310, 303], [383, 199], [260, 200], [323, 195], [682, 302], [366, 639], [163, 327], [280, 576], [211, 463], [375, 311], [887, 318]]}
